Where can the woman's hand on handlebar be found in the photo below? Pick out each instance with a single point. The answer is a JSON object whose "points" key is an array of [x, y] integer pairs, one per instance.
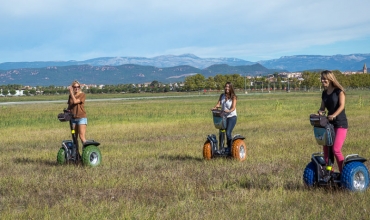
{"points": [[320, 112], [331, 117]]}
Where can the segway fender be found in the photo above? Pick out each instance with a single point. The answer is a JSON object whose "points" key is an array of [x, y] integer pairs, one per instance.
{"points": [[354, 157], [91, 142], [238, 136]]}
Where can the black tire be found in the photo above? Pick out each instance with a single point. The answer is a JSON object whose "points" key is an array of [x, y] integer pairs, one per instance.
{"points": [[239, 150], [61, 156], [310, 175], [355, 176], [91, 156]]}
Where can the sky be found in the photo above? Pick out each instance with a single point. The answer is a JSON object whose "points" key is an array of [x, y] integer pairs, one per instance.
{"points": [[253, 30]]}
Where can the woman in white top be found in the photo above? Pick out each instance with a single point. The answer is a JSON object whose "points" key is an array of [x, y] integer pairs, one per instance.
{"points": [[227, 102]]}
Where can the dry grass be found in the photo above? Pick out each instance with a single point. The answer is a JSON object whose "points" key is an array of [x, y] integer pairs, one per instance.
{"points": [[153, 168]]}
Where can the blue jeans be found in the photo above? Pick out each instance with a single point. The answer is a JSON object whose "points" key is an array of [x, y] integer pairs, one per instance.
{"points": [[230, 124]]}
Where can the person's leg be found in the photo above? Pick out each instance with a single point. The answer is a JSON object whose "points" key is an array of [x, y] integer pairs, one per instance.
{"points": [[82, 123], [82, 132], [231, 122], [340, 137]]}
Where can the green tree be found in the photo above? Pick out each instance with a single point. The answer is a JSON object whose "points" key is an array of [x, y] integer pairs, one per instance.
{"points": [[154, 84], [311, 79], [220, 81], [194, 83], [12, 92], [4, 91], [279, 84], [210, 83], [47, 91], [237, 80], [33, 91]]}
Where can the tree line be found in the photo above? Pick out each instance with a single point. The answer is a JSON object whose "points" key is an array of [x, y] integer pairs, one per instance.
{"points": [[275, 81], [198, 82]]}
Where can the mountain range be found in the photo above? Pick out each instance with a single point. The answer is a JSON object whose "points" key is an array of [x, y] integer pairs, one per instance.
{"points": [[166, 68]]}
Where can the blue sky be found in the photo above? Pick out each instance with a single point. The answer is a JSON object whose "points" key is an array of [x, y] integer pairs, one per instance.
{"points": [[50, 30]]}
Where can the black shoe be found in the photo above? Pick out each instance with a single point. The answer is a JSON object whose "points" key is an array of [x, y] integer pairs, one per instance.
{"points": [[336, 176], [227, 150]]}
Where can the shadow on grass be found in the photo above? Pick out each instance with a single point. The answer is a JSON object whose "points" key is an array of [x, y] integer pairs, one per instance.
{"points": [[181, 158], [263, 183], [35, 161]]}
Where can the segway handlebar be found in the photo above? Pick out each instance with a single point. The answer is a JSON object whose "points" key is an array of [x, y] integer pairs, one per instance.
{"points": [[65, 116], [217, 113]]}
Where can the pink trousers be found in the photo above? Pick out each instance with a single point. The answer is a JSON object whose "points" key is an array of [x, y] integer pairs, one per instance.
{"points": [[340, 137]]}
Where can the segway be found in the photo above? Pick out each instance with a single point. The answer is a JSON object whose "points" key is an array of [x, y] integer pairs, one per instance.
{"points": [[69, 152], [354, 176], [212, 148]]}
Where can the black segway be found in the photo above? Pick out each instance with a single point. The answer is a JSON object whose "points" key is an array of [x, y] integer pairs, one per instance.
{"points": [[69, 152], [354, 176], [212, 148]]}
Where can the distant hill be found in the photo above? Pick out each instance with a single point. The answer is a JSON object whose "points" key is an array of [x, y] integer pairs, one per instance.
{"points": [[166, 68], [159, 61], [351, 62], [123, 74]]}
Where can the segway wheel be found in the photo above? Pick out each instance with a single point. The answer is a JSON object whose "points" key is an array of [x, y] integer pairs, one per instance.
{"points": [[207, 150], [61, 156], [355, 176], [239, 150], [309, 175], [91, 156]]}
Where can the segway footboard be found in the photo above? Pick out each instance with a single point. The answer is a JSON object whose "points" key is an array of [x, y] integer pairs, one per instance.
{"points": [[214, 144], [323, 177]]}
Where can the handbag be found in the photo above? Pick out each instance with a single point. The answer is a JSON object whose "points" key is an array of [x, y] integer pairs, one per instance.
{"points": [[65, 116], [318, 120]]}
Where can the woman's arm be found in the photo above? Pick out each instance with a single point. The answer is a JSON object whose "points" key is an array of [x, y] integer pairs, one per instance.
{"points": [[74, 100], [218, 103], [322, 108]]}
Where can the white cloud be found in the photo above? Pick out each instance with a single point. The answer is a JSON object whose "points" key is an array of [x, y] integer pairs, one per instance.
{"points": [[249, 29]]}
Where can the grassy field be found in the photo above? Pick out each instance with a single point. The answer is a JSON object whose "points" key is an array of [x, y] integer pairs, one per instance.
{"points": [[153, 168]]}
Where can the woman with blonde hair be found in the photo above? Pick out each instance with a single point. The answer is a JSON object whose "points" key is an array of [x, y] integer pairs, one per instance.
{"points": [[76, 102], [333, 99]]}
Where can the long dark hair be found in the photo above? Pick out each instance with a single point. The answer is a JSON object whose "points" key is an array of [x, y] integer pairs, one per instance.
{"points": [[231, 90]]}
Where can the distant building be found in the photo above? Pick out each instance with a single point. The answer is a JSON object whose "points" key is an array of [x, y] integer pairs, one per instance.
{"points": [[291, 75], [364, 69]]}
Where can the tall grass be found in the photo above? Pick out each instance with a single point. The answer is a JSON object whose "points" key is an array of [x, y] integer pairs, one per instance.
{"points": [[153, 168]]}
